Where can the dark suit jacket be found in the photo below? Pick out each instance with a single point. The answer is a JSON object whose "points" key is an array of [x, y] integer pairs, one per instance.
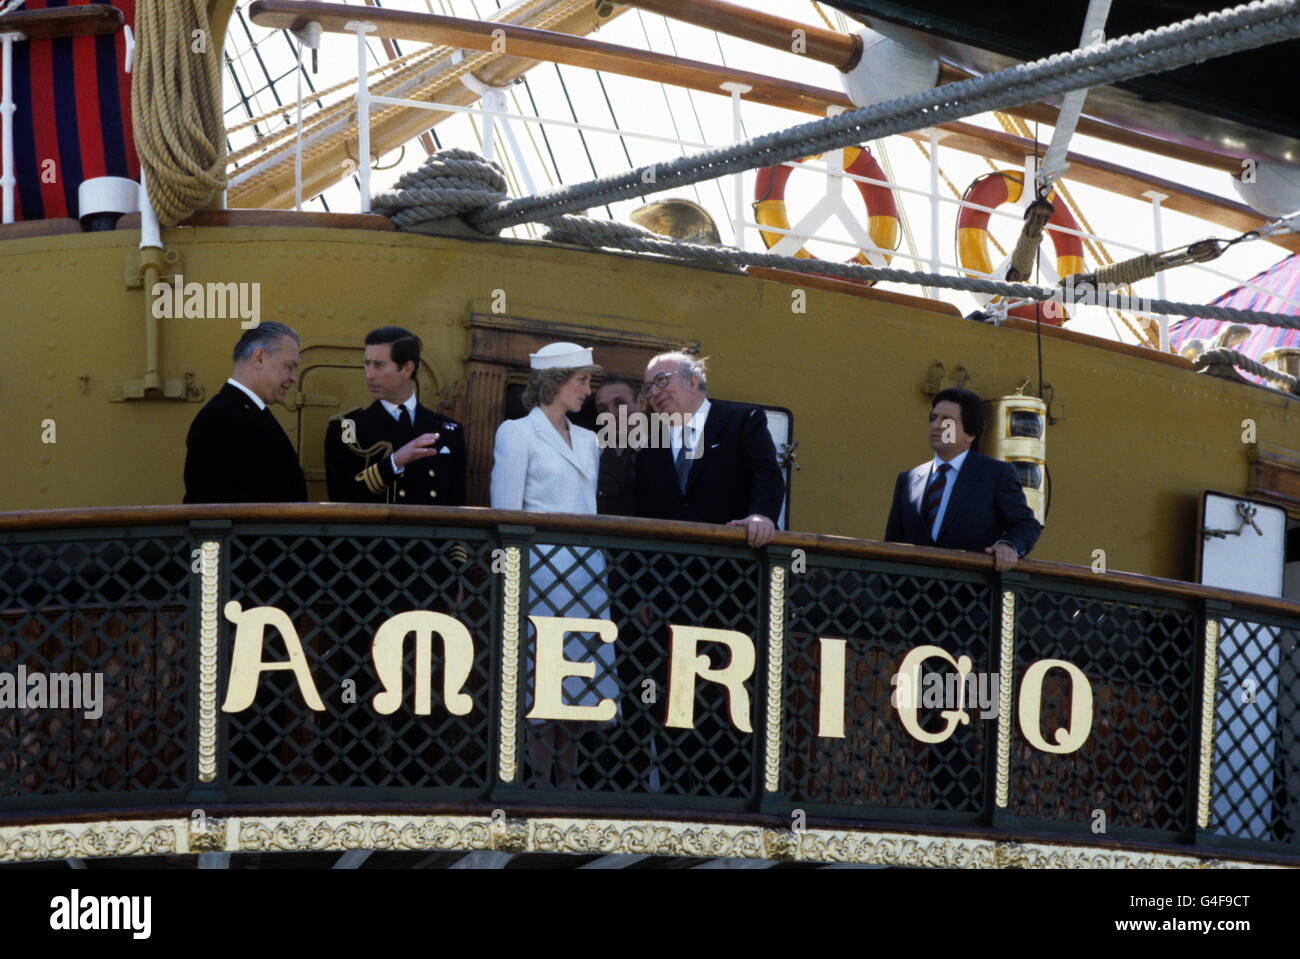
{"points": [[986, 505], [736, 473], [362, 472], [236, 453]]}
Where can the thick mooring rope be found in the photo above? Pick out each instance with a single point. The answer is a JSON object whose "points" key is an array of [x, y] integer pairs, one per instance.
{"points": [[180, 133], [1242, 361], [1189, 41]]}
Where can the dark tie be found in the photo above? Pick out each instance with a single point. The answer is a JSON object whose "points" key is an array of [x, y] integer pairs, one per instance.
{"points": [[683, 466], [404, 424], [934, 496]]}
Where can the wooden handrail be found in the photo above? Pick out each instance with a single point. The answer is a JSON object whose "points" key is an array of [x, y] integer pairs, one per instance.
{"points": [[826, 46], [90, 20], [544, 45], [705, 533]]}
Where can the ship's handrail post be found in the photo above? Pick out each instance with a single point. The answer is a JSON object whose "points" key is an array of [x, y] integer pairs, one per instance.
{"points": [[1157, 225], [7, 108], [310, 36], [737, 180], [361, 28]]}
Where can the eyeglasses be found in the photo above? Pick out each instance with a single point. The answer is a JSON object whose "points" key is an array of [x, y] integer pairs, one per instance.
{"points": [[660, 382]]}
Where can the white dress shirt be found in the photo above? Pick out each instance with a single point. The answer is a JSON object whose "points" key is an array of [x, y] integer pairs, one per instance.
{"points": [[694, 431], [956, 463], [395, 410], [249, 393]]}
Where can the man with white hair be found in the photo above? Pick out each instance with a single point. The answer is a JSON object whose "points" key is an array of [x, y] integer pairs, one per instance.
{"points": [[721, 467]]}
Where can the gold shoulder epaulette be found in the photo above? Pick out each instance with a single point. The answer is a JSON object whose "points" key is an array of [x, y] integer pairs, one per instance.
{"points": [[348, 415]]}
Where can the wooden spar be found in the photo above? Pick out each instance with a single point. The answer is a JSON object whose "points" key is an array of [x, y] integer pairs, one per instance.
{"points": [[826, 46], [841, 52], [85, 21], [269, 183], [1045, 113], [595, 55], [546, 45]]}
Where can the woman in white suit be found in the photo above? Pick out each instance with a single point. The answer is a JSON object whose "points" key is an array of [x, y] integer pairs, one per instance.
{"points": [[544, 463]]}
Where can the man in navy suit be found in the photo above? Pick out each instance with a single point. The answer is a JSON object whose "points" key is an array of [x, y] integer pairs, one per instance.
{"points": [[721, 467], [962, 499], [236, 450]]}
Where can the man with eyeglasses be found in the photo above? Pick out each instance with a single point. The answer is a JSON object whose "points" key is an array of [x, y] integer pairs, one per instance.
{"points": [[721, 465]]}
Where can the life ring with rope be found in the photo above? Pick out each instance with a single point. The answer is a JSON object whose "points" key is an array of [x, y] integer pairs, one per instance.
{"points": [[882, 211], [1005, 186]]}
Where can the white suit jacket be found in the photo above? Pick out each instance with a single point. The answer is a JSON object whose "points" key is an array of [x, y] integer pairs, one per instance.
{"points": [[534, 469]]}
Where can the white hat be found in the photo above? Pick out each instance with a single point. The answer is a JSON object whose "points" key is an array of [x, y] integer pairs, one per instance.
{"points": [[560, 356]]}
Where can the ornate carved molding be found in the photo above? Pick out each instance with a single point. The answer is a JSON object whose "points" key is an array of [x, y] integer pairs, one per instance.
{"points": [[91, 840], [564, 835]]}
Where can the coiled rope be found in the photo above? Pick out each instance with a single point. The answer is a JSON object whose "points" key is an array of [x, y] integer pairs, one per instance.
{"points": [[1199, 38], [180, 134]]}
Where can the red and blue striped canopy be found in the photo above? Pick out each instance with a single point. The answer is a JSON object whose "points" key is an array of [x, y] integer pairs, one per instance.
{"points": [[1266, 294], [73, 106]]}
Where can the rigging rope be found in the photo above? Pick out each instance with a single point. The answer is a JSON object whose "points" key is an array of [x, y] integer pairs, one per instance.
{"points": [[176, 103], [1193, 40], [1242, 361], [458, 182]]}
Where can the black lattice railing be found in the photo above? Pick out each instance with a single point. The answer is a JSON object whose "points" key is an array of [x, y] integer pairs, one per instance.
{"points": [[124, 604], [643, 590], [1256, 782], [881, 615], [1139, 658], [338, 590], [112, 610]]}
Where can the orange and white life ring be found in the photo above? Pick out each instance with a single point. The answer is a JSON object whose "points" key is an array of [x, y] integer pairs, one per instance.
{"points": [[882, 211], [992, 190]]}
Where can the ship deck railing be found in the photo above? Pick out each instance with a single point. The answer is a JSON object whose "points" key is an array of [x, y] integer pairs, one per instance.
{"points": [[757, 693]]}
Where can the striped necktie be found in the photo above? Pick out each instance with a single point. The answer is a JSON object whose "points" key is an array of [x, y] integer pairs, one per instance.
{"points": [[934, 496]]}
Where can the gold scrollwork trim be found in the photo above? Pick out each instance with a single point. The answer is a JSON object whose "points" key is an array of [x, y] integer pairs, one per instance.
{"points": [[91, 840], [564, 835], [775, 669], [507, 762], [210, 557], [1006, 665], [1211, 675]]}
